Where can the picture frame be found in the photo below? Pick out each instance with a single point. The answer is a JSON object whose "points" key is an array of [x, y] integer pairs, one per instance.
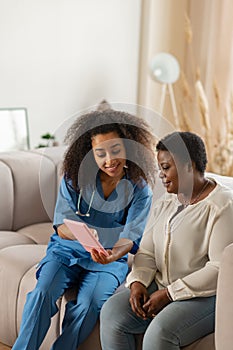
{"points": [[14, 130]]}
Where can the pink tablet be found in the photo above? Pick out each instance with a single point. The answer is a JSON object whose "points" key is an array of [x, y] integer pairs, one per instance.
{"points": [[84, 235]]}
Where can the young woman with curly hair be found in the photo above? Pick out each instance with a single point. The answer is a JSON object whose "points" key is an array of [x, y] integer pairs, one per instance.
{"points": [[109, 163]]}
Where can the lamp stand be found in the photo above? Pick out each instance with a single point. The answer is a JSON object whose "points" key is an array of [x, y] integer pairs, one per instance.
{"points": [[169, 87]]}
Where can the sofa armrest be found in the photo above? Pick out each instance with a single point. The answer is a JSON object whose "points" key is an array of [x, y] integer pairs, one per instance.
{"points": [[224, 302]]}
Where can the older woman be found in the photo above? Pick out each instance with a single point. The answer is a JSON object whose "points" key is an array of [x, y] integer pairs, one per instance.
{"points": [[172, 285]]}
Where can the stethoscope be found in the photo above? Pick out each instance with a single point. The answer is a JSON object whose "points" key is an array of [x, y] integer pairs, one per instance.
{"points": [[87, 214], [78, 212]]}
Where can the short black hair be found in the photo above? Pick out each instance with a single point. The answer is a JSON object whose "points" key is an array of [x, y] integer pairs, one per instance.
{"points": [[185, 146]]}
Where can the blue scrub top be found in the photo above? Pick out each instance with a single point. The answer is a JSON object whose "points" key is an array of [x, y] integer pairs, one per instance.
{"points": [[122, 215]]}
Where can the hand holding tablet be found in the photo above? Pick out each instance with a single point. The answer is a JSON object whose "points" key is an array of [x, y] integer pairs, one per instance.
{"points": [[84, 235]]}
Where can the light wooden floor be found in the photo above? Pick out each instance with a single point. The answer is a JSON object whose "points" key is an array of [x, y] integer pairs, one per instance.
{"points": [[4, 347]]}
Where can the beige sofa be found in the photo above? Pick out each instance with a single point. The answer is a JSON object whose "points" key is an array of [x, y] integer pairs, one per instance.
{"points": [[29, 183]]}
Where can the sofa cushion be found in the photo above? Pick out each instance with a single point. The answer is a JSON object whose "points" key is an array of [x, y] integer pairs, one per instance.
{"points": [[55, 154], [15, 261], [9, 238], [7, 197], [38, 233], [34, 190], [224, 303], [224, 180]]}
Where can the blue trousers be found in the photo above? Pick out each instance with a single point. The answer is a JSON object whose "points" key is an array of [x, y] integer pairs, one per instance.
{"points": [[179, 324], [94, 288]]}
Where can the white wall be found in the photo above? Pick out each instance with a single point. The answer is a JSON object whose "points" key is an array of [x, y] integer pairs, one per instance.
{"points": [[58, 57]]}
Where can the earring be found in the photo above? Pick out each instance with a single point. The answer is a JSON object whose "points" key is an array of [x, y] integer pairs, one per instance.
{"points": [[125, 166]]}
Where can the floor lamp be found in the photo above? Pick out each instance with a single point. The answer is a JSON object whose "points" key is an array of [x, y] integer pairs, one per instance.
{"points": [[165, 70]]}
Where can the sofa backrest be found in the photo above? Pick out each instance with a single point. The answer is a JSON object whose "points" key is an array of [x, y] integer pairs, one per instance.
{"points": [[29, 182], [224, 180]]}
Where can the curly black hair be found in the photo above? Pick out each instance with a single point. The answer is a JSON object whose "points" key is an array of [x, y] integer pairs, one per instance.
{"points": [[187, 147], [79, 165]]}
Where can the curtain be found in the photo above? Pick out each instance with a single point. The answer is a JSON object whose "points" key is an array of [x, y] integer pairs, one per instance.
{"points": [[199, 33]]}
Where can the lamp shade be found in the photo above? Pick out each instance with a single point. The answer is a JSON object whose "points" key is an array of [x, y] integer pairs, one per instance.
{"points": [[165, 68]]}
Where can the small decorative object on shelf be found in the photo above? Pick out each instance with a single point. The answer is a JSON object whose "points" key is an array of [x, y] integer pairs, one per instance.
{"points": [[50, 141]]}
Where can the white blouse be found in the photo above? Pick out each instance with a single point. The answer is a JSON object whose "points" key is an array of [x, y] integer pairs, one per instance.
{"points": [[184, 253]]}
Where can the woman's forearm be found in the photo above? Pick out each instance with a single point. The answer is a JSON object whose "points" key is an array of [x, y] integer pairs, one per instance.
{"points": [[65, 233], [122, 247]]}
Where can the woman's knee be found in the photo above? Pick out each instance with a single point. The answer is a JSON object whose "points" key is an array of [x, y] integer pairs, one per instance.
{"points": [[52, 279], [157, 335], [116, 305]]}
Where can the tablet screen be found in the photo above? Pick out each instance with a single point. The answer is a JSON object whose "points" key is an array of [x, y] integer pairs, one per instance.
{"points": [[84, 235]]}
